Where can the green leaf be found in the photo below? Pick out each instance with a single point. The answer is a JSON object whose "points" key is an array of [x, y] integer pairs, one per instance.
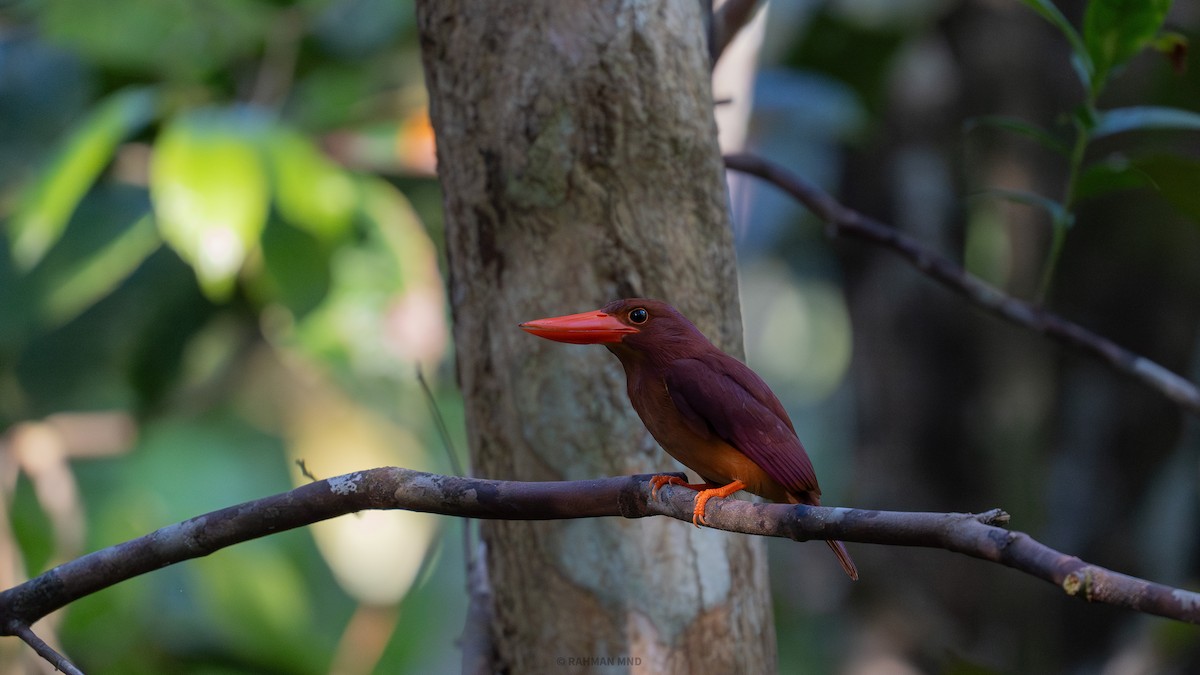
{"points": [[1173, 177], [42, 215], [311, 191], [86, 363], [295, 270], [1115, 30], [1056, 210], [382, 286], [1019, 126], [1171, 43], [107, 240], [1111, 175], [1176, 178], [210, 191], [1085, 117], [328, 94], [1143, 118], [1081, 58], [101, 272]]}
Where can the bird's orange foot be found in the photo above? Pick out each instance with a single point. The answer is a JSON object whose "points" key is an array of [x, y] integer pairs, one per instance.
{"points": [[658, 482], [705, 495]]}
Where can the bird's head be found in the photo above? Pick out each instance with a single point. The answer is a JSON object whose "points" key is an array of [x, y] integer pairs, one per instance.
{"points": [[627, 327]]}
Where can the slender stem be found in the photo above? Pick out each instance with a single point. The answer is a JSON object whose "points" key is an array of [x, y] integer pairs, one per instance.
{"points": [[1058, 235], [1063, 220]]}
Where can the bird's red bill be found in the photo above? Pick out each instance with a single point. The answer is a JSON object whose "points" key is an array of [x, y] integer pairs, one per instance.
{"points": [[585, 328]]}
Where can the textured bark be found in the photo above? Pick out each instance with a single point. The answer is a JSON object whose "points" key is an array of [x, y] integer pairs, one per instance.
{"points": [[578, 154]]}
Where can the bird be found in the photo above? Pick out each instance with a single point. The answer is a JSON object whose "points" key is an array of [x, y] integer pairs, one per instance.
{"points": [[704, 407]]}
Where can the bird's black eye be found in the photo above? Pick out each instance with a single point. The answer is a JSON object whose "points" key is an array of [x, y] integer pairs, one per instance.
{"points": [[639, 315]]}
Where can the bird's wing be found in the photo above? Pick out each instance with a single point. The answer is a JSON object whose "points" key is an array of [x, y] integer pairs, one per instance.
{"points": [[720, 395]]}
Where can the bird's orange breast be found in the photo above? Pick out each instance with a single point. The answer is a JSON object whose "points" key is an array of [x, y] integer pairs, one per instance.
{"points": [[708, 455]]}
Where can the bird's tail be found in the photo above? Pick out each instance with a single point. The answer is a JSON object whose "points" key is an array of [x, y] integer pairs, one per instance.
{"points": [[843, 556]]}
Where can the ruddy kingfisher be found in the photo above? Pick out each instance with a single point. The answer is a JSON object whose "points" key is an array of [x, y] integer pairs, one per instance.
{"points": [[704, 407]]}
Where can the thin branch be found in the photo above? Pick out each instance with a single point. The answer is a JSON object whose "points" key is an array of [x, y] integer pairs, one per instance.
{"points": [[628, 496], [440, 424], [727, 22], [844, 222], [60, 662], [477, 645], [478, 648]]}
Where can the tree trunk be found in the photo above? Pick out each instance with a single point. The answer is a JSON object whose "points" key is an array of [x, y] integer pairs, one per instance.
{"points": [[578, 154]]}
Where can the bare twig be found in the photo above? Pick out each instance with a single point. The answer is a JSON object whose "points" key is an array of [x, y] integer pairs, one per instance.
{"points": [[60, 662], [844, 222], [304, 470], [477, 645], [727, 22], [629, 496]]}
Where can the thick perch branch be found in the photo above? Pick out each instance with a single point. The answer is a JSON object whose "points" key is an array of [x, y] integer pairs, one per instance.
{"points": [[845, 222], [975, 535]]}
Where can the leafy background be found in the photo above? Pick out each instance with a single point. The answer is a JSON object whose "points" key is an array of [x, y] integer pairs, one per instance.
{"points": [[218, 261], [222, 254]]}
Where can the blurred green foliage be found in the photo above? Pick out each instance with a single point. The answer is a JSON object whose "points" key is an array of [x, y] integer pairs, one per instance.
{"points": [[1076, 112], [1114, 32], [203, 239]]}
